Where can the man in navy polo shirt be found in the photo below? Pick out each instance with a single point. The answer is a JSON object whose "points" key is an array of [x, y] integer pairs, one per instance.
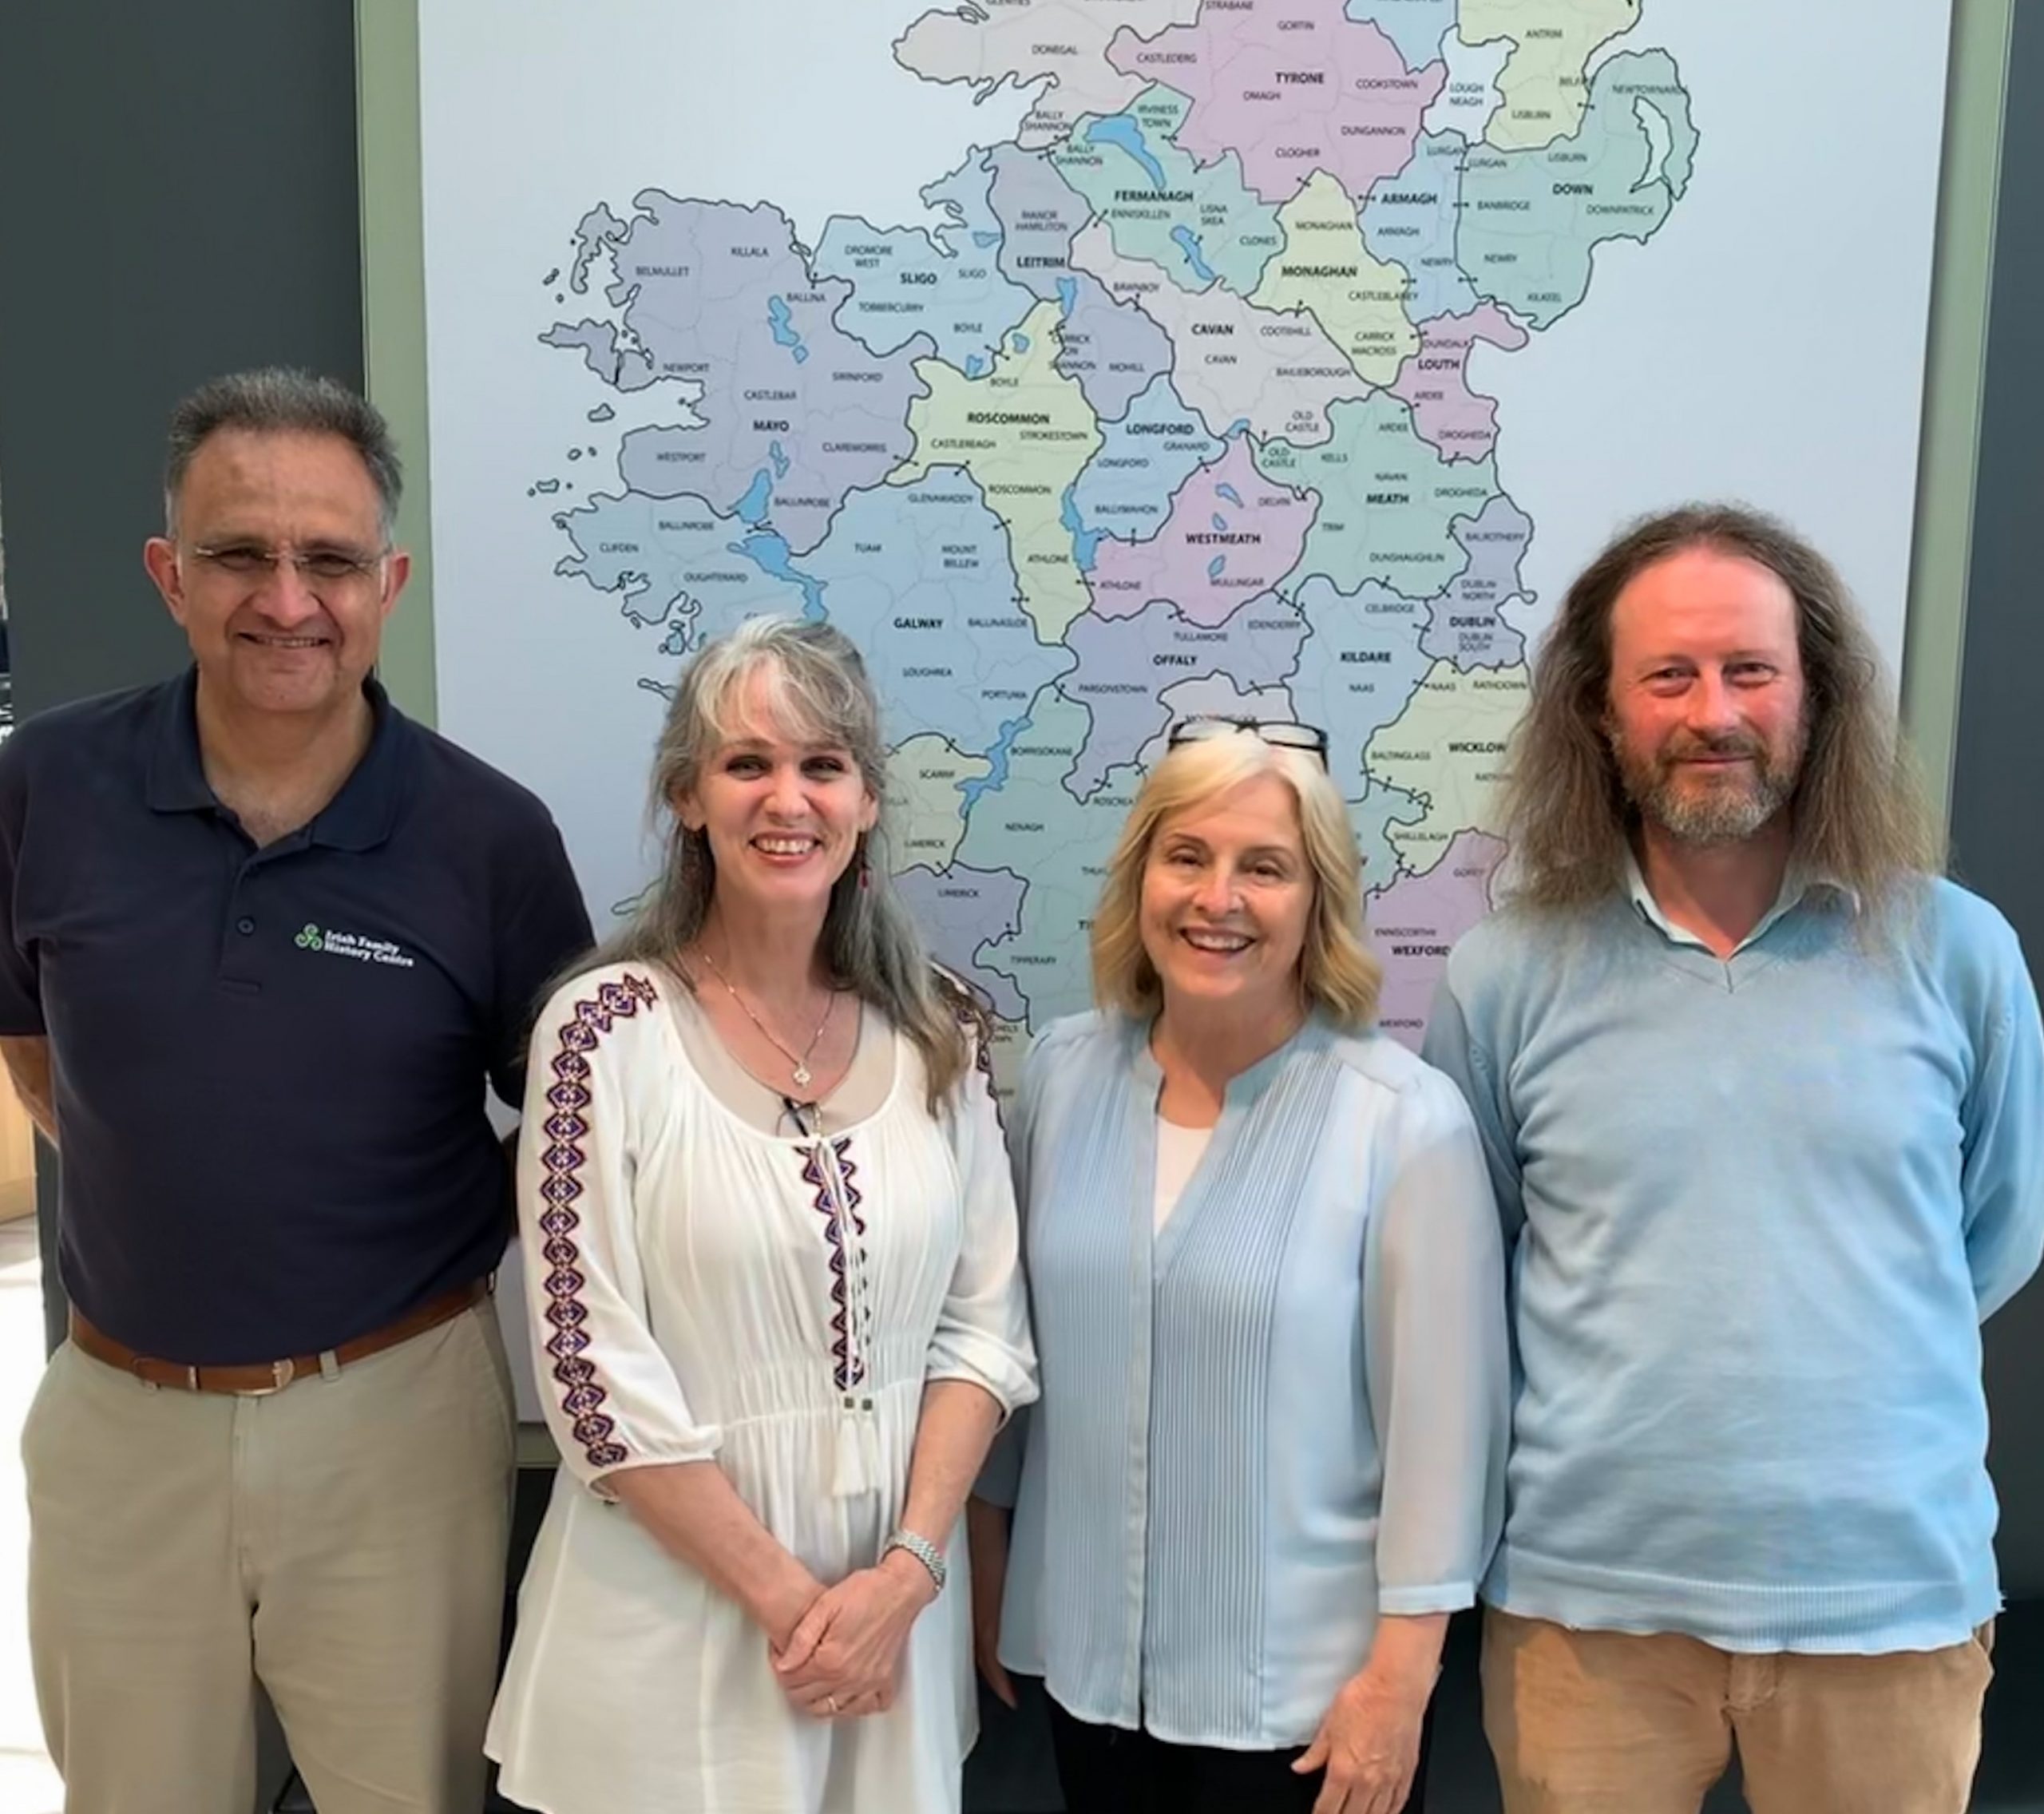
{"points": [[265, 944]]}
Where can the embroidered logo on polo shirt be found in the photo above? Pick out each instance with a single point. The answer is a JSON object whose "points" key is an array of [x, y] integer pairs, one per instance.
{"points": [[354, 944]]}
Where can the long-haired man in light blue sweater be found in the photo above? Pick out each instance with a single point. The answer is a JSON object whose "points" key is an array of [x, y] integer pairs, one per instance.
{"points": [[1763, 1097]]}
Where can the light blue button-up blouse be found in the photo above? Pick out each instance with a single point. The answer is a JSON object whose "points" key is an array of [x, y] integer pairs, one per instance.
{"points": [[1275, 1419]]}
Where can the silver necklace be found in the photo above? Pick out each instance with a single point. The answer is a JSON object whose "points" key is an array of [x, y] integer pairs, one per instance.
{"points": [[800, 1073]]}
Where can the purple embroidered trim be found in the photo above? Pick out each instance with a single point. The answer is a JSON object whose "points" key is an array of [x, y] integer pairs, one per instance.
{"points": [[566, 1129], [848, 1370]]}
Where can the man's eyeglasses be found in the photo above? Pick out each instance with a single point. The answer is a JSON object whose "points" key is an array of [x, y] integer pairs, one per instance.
{"points": [[317, 567], [1309, 738]]}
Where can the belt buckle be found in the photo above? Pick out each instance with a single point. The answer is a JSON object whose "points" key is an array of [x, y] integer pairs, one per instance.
{"points": [[282, 1373]]}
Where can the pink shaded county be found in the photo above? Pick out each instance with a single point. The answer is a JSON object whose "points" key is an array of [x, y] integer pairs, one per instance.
{"points": [[1415, 921], [1231, 534], [1294, 85], [1446, 414]]}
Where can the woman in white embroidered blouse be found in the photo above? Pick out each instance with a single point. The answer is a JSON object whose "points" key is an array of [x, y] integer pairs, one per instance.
{"points": [[770, 1244], [1266, 1274]]}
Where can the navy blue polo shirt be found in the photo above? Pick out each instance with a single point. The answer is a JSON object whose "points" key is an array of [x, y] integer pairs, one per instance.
{"points": [[271, 1065]]}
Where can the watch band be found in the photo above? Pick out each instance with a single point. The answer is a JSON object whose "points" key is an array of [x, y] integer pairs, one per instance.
{"points": [[922, 1549]]}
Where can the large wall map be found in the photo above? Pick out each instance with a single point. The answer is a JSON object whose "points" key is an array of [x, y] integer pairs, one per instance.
{"points": [[1169, 412]]}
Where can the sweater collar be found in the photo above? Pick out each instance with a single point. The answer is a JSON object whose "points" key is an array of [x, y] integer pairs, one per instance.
{"points": [[1798, 884]]}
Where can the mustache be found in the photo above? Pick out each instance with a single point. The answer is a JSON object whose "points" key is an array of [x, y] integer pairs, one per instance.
{"points": [[1686, 745]]}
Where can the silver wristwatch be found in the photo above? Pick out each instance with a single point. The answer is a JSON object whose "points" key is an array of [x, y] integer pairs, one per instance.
{"points": [[922, 1549]]}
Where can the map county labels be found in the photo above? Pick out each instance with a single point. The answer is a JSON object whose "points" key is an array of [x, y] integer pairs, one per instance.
{"points": [[1447, 748], [1024, 433], [1172, 402]]}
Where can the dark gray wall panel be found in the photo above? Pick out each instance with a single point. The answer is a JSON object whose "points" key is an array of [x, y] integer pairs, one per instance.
{"points": [[177, 198], [1998, 776]]}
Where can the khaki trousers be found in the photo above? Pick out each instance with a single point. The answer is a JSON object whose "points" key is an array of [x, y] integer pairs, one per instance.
{"points": [[341, 1541], [1604, 1722]]}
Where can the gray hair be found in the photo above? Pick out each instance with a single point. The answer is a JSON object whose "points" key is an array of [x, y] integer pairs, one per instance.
{"points": [[869, 943], [281, 400]]}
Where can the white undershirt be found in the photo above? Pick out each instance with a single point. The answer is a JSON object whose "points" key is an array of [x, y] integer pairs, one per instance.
{"points": [[1178, 1150]]}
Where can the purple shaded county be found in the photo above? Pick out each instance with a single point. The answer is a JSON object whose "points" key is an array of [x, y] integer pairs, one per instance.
{"points": [[1292, 86], [795, 412], [1039, 217], [1446, 414], [1415, 922], [1125, 664], [1466, 623], [960, 909], [597, 342], [1359, 672], [1113, 350], [1232, 534]]}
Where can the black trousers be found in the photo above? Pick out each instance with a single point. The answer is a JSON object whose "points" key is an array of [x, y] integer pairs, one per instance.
{"points": [[1104, 1770]]}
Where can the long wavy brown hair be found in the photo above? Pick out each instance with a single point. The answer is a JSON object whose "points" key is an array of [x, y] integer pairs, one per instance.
{"points": [[1859, 813]]}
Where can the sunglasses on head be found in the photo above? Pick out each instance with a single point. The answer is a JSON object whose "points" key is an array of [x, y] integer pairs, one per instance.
{"points": [[1280, 736]]}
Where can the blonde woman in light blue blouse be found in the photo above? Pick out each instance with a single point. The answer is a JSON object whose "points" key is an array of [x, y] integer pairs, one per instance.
{"points": [[1265, 1270]]}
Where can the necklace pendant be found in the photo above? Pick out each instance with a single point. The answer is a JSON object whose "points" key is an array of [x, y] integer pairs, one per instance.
{"points": [[802, 1076]]}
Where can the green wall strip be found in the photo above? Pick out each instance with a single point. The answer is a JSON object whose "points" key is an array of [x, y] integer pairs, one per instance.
{"points": [[394, 316], [1934, 635]]}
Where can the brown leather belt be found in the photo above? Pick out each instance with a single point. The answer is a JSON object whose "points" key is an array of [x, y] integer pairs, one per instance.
{"points": [[259, 1379]]}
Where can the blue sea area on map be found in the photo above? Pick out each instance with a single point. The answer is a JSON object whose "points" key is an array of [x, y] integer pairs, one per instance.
{"points": [[996, 776], [1124, 134], [1188, 241], [784, 334]]}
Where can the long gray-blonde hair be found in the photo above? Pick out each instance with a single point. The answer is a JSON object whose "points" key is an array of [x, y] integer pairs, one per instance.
{"points": [[870, 944], [1858, 813]]}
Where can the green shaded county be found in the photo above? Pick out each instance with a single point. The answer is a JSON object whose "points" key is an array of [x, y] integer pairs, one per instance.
{"points": [[1530, 219], [1389, 501], [1232, 232]]}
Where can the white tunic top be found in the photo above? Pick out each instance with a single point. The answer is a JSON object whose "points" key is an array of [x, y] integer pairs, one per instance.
{"points": [[702, 1289]]}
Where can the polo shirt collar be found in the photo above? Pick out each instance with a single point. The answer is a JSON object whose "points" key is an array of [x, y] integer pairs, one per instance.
{"points": [[359, 817], [1797, 884]]}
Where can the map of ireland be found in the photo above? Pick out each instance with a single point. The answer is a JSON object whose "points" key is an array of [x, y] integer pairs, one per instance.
{"points": [[1171, 400], [1094, 364]]}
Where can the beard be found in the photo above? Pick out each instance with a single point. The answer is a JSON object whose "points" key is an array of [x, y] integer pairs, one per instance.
{"points": [[1699, 806]]}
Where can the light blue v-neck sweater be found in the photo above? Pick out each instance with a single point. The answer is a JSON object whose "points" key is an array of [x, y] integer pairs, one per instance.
{"points": [[1755, 1210]]}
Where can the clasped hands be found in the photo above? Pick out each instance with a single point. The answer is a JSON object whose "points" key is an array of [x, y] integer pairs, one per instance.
{"points": [[842, 1660]]}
